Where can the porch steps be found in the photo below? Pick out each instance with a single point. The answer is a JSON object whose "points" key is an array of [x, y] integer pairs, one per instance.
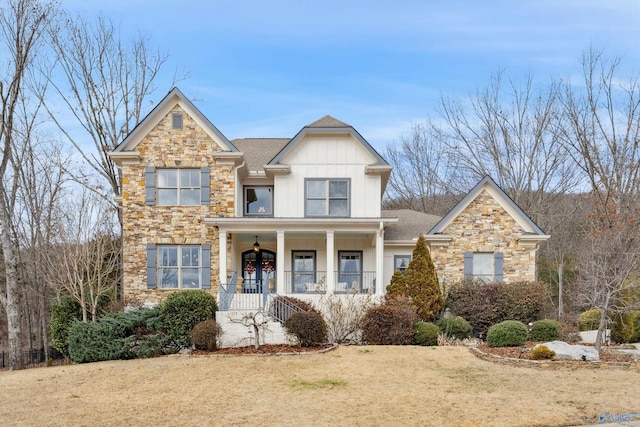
{"points": [[236, 334]]}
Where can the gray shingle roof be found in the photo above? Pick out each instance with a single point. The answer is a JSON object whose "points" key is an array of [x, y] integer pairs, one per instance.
{"points": [[328, 122], [259, 151], [410, 224]]}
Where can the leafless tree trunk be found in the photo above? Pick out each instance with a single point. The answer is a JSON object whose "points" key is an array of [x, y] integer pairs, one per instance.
{"points": [[107, 83], [22, 23], [86, 262]]}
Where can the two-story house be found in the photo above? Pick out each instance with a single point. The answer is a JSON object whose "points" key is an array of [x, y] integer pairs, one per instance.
{"points": [[295, 216]]}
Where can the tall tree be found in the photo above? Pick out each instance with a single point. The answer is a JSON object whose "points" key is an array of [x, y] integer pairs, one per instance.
{"points": [[106, 84], [22, 23]]}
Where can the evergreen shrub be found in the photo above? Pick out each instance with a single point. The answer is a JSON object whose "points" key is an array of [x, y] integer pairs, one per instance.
{"points": [[454, 327], [509, 333], [545, 330], [389, 324], [542, 352], [308, 327], [63, 315], [589, 320], [425, 333], [206, 335], [183, 310], [623, 328], [636, 326]]}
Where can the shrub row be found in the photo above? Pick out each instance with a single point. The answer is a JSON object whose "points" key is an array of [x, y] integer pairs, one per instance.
{"points": [[514, 333]]}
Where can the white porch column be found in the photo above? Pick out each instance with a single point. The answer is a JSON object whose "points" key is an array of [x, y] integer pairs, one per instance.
{"points": [[330, 278], [280, 276], [222, 256], [380, 285]]}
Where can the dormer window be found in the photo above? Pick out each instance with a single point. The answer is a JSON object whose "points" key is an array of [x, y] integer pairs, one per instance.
{"points": [[258, 200], [176, 121], [327, 197]]}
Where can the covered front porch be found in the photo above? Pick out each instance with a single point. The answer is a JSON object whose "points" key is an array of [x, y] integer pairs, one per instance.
{"points": [[300, 257]]}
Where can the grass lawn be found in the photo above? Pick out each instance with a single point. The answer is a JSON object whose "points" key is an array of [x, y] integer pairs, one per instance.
{"points": [[361, 386]]}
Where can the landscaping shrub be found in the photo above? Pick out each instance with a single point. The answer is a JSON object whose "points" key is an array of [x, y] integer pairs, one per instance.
{"points": [[589, 320], [507, 334], [284, 306], [485, 304], [545, 330], [205, 335], [636, 326], [542, 352], [137, 333], [454, 327], [308, 327], [389, 324], [623, 328], [63, 314], [183, 310], [425, 333]]}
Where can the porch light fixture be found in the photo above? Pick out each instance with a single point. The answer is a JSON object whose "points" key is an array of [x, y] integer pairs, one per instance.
{"points": [[256, 246]]}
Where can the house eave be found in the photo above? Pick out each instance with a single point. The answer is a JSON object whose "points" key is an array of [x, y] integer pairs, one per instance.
{"points": [[122, 157]]}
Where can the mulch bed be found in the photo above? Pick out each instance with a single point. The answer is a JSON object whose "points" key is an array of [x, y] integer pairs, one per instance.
{"points": [[266, 349], [606, 354]]}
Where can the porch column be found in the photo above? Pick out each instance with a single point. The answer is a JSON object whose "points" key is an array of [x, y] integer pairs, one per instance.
{"points": [[280, 276], [331, 277], [380, 285], [222, 256]]}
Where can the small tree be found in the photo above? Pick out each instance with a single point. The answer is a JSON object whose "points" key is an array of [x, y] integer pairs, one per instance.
{"points": [[420, 283]]}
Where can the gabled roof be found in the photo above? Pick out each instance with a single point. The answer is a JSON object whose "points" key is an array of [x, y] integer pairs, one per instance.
{"points": [[410, 225], [259, 151], [489, 185], [175, 96], [328, 124]]}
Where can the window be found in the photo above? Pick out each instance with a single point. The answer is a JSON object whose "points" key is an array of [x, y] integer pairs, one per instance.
{"points": [[258, 201], [179, 267], [176, 121], [304, 271], [349, 271], [401, 262], [178, 187], [485, 266], [327, 197]]}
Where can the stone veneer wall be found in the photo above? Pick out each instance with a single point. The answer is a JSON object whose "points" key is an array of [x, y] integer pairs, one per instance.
{"points": [[189, 147], [484, 226]]}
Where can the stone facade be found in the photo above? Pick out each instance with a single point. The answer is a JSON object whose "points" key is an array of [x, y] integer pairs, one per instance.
{"points": [[166, 147], [484, 226]]}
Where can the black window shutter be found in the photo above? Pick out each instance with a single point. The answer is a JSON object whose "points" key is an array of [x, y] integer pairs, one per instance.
{"points": [[151, 266], [206, 266], [150, 185]]}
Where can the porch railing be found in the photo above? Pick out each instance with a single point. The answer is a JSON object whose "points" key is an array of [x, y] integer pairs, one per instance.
{"points": [[314, 282], [244, 296]]}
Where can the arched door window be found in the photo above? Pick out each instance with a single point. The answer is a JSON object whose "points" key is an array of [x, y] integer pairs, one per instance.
{"points": [[258, 270]]}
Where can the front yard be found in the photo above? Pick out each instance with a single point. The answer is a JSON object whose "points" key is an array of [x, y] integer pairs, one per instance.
{"points": [[358, 385]]}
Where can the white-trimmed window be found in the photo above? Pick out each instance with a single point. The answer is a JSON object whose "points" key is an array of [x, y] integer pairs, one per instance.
{"points": [[179, 267], [327, 197], [258, 200], [177, 187], [401, 262], [485, 266]]}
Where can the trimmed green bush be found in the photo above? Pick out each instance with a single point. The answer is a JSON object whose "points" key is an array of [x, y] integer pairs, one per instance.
{"points": [[205, 335], [623, 328], [425, 333], [308, 327], [589, 320], [454, 327], [636, 326], [183, 310], [509, 333], [545, 330], [63, 314], [389, 324], [542, 352]]}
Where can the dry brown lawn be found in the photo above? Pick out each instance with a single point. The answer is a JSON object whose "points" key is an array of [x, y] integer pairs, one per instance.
{"points": [[354, 386]]}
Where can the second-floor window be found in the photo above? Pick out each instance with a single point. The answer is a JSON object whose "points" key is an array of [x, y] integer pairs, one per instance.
{"points": [[258, 200], [327, 197], [178, 187]]}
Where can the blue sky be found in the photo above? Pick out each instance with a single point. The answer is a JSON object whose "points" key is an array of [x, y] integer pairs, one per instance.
{"points": [[267, 68]]}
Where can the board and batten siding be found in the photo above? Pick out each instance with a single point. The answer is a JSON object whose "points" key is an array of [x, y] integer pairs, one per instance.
{"points": [[328, 157]]}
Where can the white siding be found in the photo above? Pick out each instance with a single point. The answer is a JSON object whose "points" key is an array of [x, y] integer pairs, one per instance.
{"points": [[326, 156]]}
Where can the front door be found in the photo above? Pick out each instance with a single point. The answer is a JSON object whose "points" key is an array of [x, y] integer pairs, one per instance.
{"points": [[258, 270]]}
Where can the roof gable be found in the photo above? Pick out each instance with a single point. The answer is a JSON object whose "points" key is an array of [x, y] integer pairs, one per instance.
{"points": [[327, 125], [489, 185], [173, 98]]}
